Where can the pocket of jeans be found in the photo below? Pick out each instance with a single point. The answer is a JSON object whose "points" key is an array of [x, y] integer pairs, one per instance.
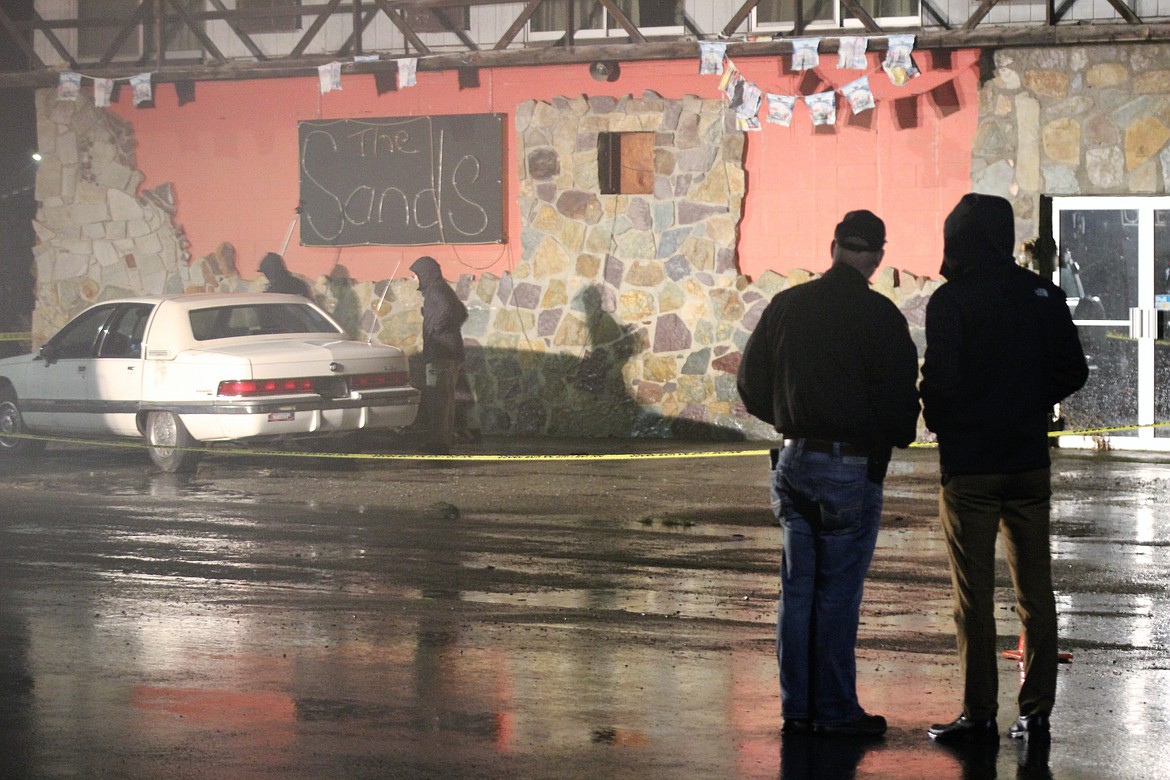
{"points": [[842, 502]]}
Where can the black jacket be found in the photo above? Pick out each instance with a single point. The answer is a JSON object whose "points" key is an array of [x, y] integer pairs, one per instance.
{"points": [[832, 359], [443, 313], [280, 280], [1001, 350]]}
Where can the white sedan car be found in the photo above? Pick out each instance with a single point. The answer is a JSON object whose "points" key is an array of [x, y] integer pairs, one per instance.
{"points": [[180, 370]]}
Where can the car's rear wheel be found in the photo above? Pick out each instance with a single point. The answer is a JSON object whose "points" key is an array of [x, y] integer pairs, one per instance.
{"points": [[12, 431], [170, 443]]}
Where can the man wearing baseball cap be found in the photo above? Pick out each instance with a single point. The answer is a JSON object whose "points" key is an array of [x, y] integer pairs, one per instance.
{"points": [[832, 367]]}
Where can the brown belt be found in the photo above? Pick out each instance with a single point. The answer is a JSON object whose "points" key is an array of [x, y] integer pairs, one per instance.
{"points": [[827, 447]]}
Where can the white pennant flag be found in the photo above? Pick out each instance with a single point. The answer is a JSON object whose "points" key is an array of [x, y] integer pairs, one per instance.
{"points": [[141, 86], [329, 76], [68, 85], [101, 92], [407, 67]]}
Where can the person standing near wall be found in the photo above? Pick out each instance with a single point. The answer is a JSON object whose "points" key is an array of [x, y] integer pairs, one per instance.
{"points": [[832, 367], [443, 317], [280, 279], [1001, 351]]}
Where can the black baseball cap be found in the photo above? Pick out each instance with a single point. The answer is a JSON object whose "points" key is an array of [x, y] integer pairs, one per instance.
{"points": [[861, 231]]}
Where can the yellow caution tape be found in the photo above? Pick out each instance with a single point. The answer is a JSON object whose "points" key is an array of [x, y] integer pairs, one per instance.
{"points": [[15, 337], [612, 456]]}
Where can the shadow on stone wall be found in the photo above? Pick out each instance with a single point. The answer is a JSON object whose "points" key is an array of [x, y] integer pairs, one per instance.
{"points": [[535, 393]]}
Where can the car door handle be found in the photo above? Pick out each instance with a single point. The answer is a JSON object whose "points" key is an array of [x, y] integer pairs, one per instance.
{"points": [[81, 369]]}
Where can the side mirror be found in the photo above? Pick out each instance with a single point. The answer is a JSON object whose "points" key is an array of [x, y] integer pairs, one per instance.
{"points": [[47, 354]]}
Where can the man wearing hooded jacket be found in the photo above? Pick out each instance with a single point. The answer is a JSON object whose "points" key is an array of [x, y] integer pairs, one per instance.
{"points": [[1001, 350], [443, 317]]}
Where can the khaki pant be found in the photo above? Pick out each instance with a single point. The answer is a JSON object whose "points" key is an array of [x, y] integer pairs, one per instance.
{"points": [[973, 508]]}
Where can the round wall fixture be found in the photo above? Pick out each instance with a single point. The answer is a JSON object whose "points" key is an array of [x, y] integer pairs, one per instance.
{"points": [[605, 71]]}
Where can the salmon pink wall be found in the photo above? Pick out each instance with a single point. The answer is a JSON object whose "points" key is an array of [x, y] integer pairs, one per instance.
{"points": [[232, 158]]}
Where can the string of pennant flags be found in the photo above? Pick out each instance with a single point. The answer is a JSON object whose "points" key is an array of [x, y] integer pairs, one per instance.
{"points": [[747, 99], [743, 96], [329, 77]]}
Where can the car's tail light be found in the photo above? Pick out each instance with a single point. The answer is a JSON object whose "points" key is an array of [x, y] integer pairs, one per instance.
{"points": [[375, 381], [258, 387], [329, 386]]}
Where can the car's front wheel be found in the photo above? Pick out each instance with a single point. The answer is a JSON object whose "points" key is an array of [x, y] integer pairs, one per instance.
{"points": [[12, 431], [170, 443]]}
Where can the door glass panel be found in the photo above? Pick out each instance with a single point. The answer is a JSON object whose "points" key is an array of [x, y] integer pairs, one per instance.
{"points": [[1162, 303], [1099, 273]]}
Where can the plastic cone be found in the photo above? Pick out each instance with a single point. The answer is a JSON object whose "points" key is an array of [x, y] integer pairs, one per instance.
{"points": [[1018, 653]]}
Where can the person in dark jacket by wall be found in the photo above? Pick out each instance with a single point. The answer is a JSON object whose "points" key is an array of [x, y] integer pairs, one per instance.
{"points": [[832, 367], [1001, 351], [442, 352], [280, 279]]}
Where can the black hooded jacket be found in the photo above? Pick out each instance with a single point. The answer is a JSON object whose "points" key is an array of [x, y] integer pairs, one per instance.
{"points": [[443, 313], [279, 278], [1001, 348]]}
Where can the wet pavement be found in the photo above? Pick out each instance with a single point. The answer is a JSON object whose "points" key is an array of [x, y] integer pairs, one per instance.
{"points": [[289, 617]]}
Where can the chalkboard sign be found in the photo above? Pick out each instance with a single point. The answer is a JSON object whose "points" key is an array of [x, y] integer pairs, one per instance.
{"points": [[402, 181]]}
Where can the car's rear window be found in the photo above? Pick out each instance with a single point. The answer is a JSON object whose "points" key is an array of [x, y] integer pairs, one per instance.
{"points": [[256, 319]]}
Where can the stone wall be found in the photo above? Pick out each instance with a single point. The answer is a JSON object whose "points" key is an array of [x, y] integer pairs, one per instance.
{"points": [[624, 315], [1083, 120]]}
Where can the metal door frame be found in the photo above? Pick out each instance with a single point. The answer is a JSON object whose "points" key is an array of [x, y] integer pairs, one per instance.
{"points": [[1142, 318]]}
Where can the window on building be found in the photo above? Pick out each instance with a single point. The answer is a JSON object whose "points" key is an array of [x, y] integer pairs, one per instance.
{"points": [[590, 17], [180, 39], [625, 163], [781, 14], [268, 24], [887, 10], [423, 20], [92, 42]]}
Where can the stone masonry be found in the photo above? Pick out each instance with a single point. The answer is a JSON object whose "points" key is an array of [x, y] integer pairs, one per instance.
{"points": [[624, 316], [1083, 120]]}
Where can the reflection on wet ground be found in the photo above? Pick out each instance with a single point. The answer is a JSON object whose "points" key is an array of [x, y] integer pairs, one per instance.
{"points": [[266, 619]]}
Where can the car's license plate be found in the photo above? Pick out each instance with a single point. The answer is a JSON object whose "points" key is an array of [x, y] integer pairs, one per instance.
{"points": [[282, 416]]}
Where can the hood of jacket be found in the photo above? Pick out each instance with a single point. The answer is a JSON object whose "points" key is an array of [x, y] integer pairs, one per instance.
{"points": [[980, 232], [427, 270], [272, 265]]}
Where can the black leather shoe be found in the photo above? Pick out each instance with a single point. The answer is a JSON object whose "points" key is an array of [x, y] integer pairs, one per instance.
{"points": [[964, 729], [796, 726], [1030, 726], [865, 726]]}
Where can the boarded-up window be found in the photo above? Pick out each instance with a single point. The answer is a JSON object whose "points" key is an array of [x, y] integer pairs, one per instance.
{"points": [[625, 163], [268, 24]]}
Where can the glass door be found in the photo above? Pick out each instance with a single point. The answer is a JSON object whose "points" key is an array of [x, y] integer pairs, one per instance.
{"points": [[1113, 255]]}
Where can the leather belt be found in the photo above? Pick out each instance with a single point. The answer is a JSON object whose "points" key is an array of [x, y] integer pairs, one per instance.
{"points": [[827, 447]]}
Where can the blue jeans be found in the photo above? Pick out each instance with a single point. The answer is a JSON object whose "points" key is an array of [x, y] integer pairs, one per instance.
{"points": [[830, 512]]}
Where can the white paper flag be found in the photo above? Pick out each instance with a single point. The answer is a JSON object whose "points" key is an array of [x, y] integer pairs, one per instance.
{"points": [[899, 64], [851, 53], [101, 92], [749, 106], [68, 85], [804, 53], [858, 94], [823, 107], [780, 109], [747, 124], [407, 68], [141, 86], [329, 75], [711, 54]]}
